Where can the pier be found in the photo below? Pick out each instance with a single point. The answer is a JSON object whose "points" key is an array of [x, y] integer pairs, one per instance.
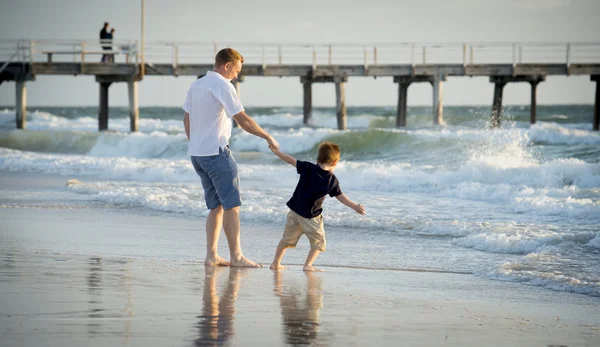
{"points": [[21, 61]]}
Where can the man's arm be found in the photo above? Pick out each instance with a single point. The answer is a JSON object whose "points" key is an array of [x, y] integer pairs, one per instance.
{"points": [[186, 124], [359, 208], [248, 124], [285, 157]]}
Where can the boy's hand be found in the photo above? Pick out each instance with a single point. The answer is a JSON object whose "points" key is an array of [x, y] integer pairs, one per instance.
{"points": [[273, 149], [360, 209], [273, 143]]}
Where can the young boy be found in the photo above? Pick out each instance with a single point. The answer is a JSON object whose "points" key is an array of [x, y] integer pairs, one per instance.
{"points": [[316, 181]]}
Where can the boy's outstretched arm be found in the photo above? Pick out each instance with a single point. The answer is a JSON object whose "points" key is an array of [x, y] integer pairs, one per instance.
{"points": [[284, 156], [358, 208]]}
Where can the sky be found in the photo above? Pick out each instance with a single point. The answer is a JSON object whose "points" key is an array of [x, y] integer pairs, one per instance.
{"points": [[321, 22]]}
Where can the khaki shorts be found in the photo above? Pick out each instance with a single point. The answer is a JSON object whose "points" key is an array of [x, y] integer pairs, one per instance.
{"points": [[296, 225]]}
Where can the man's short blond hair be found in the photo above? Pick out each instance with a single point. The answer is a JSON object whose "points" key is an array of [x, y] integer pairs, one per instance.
{"points": [[329, 153], [228, 55]]}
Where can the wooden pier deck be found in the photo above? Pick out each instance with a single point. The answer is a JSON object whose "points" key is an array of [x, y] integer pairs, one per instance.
{"points": [[407, 63]]}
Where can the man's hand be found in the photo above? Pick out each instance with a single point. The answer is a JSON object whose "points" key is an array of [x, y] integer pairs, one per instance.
{"points": [[273, 145], [360, 209]]}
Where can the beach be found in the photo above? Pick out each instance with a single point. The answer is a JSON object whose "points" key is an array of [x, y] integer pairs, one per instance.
{"points": [[108, 276], [472, 237]]}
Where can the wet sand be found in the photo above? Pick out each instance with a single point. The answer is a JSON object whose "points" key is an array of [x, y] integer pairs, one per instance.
{"points": [[79, 276]]}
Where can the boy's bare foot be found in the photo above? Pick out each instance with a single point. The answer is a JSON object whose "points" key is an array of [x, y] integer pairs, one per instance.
{"points": [[245, 262], [276, 267], [216, 261], [312, 268]]}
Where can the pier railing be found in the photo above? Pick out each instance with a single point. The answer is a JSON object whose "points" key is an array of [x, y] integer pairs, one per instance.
{"points": [[269, 54]]}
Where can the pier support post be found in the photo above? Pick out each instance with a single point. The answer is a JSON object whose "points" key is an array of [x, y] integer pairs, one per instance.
{"points": [[103, 106], [596, 124], [403, 83], [533, 106], [237, 83], [134, 110], [340, 101], [534, 81], [21, 104], [499, 83], [438, 99], [307, 100], [402, 98]]}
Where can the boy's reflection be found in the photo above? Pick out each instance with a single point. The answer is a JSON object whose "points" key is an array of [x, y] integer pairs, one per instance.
{"points": [[218, 313], [300, 320]]}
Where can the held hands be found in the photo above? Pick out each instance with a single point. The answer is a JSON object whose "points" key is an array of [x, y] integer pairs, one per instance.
{"points": [[360, 209], [273, 144]]}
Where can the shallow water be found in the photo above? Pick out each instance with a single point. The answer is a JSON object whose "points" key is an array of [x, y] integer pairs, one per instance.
{"points": [[520, 203]]}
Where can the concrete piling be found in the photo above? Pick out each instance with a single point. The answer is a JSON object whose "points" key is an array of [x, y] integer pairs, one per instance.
{"points": [[402, 108], [21, 104], [340, 102], [497, 104], [103, 106], [438, 99], [134, 110], [596, 123], [307, 101]]}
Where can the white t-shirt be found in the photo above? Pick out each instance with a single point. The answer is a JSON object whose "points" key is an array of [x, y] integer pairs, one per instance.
{"points": [[211, 102]]}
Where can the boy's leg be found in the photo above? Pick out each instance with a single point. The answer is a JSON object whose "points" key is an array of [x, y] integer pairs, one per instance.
{"points": [[291, 235], [313, 228], [276, 265], [312, 255]]}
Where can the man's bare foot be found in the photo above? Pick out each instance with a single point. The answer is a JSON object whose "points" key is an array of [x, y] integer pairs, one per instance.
{"points": [[244, 262], [217, 261], [312, 268], [276, 267]]}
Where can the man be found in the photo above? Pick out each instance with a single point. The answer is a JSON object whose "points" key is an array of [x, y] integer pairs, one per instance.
{"points": [[109, 38], [210, 104], [103, 42]]}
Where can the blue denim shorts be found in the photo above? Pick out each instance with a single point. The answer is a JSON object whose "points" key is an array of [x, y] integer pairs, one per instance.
{"points": [[220, 179]]}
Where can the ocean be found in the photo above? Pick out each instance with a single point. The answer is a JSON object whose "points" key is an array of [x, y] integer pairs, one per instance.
{"points": [[520, 203]]}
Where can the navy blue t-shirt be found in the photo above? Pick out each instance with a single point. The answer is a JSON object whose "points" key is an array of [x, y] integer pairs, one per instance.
{"points": [[314, 184]]}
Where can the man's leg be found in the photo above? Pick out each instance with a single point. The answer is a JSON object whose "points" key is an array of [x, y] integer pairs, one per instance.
{"points": [[231, 224], [214, 222]]}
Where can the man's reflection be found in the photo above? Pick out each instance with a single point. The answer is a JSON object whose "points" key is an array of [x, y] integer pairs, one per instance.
{"points": [[300, 319], [94, 282], [218, 313]]}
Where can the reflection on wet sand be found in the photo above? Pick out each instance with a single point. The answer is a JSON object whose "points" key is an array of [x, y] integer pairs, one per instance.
{"points": [[118, 277], [300, 319], [94, 284], [216, 323]]}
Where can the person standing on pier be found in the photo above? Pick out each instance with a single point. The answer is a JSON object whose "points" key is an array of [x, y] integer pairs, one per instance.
{"points": [[210, 104], [109, 37], [103, 38]]}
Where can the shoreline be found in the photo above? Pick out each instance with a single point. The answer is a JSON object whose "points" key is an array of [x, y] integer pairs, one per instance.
{"points": [[65, 298], [79, 272]]}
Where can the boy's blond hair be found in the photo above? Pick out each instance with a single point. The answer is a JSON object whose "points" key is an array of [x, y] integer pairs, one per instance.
{"points": [[329, 153], [228, 55]]}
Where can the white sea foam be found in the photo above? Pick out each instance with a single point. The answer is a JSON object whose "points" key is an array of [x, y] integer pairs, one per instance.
{"points": [[547, 189], [40, 120], [140, 145], [595, 242], [549, 268], [517, 239], [296, 141], [554, 133]]}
